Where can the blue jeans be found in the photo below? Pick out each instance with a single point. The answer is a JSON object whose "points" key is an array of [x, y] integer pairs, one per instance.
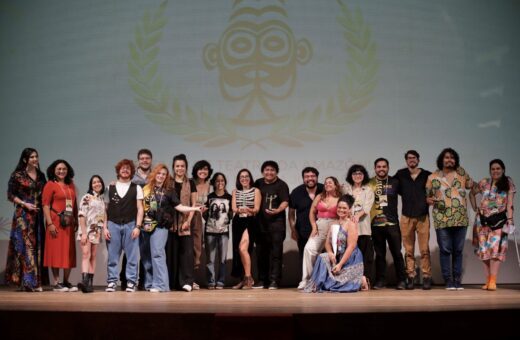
{"points": [[451, 244], [216, 244], [153, 258], [121, 239]]}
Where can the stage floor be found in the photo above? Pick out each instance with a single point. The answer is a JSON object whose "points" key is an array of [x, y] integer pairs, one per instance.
{"points": [[283, 301]]}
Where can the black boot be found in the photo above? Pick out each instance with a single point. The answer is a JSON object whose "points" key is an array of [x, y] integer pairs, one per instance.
{"points": [[90, 287], [84, 282]]}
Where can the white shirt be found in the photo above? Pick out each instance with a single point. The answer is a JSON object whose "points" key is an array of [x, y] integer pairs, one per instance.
{"points": [[122, 189]]}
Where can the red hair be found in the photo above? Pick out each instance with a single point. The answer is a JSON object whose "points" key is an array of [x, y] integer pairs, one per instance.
{"points": [[151, 177], [125, 162]]}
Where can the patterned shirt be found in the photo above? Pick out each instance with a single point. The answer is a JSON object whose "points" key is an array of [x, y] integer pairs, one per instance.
{"points": [[493, 202], [450, 207]]}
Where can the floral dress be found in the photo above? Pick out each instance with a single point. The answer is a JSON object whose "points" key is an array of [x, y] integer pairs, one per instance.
{"points": [[491, 244], [25, 253], [93, 209], [349, 278]]}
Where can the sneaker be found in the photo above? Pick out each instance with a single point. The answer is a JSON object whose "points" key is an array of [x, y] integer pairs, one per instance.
{"points": [[427, 283], [195, 286], [379, 285], [302, 285], [38, 289], [450, 285], [130, 287], [458, 285], [409, 283], [154, 290], [111, 287], [59, 287], [273, 286], [259, 285], [401, 285], [219, 286], [70, 286], [211, 286], [186, 288]]}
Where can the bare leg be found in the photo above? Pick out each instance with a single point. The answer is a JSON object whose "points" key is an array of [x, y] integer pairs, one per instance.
{"points": [[85, 257], [487, 271], [56, 275], [244, 253], [92, 263]]}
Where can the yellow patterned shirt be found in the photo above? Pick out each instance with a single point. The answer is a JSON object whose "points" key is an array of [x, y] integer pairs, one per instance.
{"points": [[450, 207]]}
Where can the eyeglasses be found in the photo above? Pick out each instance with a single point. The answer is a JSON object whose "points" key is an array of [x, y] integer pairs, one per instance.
{"points": [[357, 173]]}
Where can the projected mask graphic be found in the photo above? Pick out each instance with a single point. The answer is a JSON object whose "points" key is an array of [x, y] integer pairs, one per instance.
{"points": [[256, 58]]}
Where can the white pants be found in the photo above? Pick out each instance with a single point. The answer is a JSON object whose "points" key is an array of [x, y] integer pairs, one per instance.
{"points": [[314, 247]]}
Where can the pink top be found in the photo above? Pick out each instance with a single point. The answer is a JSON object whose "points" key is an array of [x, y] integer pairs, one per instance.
{"points": [[326, 212]]}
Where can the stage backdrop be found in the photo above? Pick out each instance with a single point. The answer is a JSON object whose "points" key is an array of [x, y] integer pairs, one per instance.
{"points": [[302, 82]]}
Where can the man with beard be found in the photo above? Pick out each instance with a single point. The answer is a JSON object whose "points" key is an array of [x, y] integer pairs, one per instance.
{"points": [[275, 199], [125, 217], [140, 178], [446, 191], [300, 202], [385, 224], [415, 217]]}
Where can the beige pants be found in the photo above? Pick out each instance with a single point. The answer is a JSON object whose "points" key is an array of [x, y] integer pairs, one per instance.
{"points": [[314, 247], [421, 226]]}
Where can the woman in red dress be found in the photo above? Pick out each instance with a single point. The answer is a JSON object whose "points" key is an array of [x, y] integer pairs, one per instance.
{"points": [[60, 209]]}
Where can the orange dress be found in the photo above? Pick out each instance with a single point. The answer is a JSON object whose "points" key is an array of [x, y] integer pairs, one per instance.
{"points": [[60, 251]]}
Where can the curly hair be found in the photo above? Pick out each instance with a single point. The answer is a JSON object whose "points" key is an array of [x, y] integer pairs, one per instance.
{"points": [[440, 158], [125, 162], [201, 165], [51, 171], [356, 168]]}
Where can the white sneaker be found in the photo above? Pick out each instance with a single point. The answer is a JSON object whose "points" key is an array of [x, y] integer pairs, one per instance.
{"points": [[195, 286], [111, 287], [186, 288], [154, 290], [59, 287], [130, 287], [302, 285]]}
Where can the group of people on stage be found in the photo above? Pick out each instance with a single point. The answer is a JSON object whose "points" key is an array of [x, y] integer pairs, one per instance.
{"points": [[162, 221]]}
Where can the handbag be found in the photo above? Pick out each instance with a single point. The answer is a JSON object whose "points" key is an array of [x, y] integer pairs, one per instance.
{"points": [[495, 221], [65, 218]]}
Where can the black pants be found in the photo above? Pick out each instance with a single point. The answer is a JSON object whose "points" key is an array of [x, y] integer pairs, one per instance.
{"points": [[392, 235], [179, 259], [303, 237], [366, 247], [270, 255]]}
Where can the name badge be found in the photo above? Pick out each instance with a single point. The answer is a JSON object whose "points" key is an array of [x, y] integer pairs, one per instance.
{"points": [[383, 201], [68, 206]]}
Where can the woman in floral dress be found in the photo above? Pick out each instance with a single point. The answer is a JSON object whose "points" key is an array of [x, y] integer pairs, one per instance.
{"points": [[494, 219], [25, 253]]}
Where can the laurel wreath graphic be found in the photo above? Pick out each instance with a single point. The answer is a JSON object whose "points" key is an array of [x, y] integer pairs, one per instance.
{"points": [[165, 110]]}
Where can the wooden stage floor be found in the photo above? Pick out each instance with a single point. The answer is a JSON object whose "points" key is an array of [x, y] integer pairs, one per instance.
{"points": [[282, 301], [260, 314]]}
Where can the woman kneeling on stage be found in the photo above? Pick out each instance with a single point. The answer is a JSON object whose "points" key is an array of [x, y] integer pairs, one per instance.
{"points": [[340, 269]]}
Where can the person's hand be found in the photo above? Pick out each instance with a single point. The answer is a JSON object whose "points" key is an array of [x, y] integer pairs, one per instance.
{"points": [[83, 239], [107, 234], [185, 226], [270, 212], [294, 235], [52, 229], [314, 233], [430, 200], [135, 233], [203, 209], [30, 206], [336, 269], [355, 218]]}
